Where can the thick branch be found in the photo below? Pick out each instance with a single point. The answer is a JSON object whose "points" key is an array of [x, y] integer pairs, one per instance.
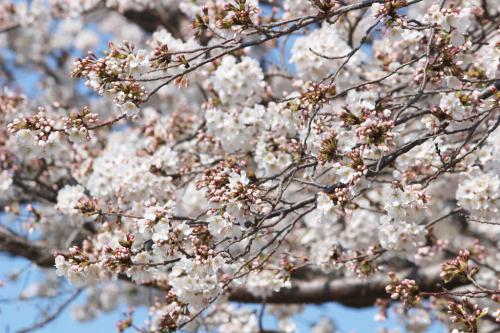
{"points": [[150, 20], [351, 292], [18, 246]]}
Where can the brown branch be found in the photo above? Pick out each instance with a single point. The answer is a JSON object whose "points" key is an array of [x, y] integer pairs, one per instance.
{"points": [[150, 20], [16, 245], [353, 292]]}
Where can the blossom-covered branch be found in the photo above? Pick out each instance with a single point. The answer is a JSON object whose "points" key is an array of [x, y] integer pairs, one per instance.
{"points": [[186, 155]]}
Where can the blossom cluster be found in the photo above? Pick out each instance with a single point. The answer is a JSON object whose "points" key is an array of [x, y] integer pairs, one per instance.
{"points": [[254, 151]]}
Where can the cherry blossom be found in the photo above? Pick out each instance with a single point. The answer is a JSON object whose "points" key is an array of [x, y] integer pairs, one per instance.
{"points": [[226, 164]]}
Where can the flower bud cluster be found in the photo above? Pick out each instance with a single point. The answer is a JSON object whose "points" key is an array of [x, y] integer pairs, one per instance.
{"points": [[465, 315], [388, 8], [78, 267], [328, 150], [407, 291], [227, 182], [114, 75], [78, 123], [376, 132], [10, 101], [163, 59], [329, 204], [173, 314], [238, 14], [38, 123], [313, 96], [458, 268], [36, 135]]}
